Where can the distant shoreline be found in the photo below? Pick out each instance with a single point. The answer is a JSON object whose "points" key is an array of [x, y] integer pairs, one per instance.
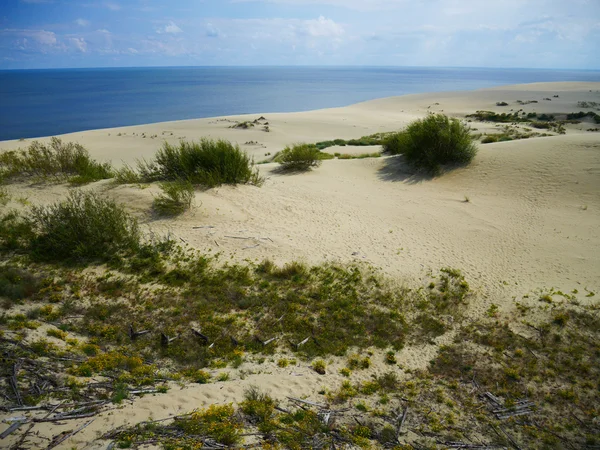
{"points": [[48, 102]]}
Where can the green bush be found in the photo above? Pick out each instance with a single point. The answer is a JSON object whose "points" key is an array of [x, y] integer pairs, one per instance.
{"points": [[432, 142], [15, 231], [57, 159], [207, 162], [176, 198], [85, 225], [299, 157], [16, 283]]}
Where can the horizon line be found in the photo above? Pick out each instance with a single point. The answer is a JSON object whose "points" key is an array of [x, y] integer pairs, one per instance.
{"points": [[298, 66]]}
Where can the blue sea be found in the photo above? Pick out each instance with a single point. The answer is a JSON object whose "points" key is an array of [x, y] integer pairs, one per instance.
{"points": [[38, 103]]}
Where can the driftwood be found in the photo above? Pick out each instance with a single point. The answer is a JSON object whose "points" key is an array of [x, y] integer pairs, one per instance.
{"points": [[306, 402], [267, 342], [472, 446], [12, 380], [198, 334], [143, 391], [493, 398], [165, 340], [401, 422], [133, 334], [14, 427], [19, 443], [299, 344], [59, 441], [508, 436]]}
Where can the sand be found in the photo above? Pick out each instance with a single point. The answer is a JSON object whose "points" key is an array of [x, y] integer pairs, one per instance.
{"points": [[532, 219]]}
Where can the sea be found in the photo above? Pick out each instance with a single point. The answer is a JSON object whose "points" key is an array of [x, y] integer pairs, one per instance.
{"points": [[37, 103]]}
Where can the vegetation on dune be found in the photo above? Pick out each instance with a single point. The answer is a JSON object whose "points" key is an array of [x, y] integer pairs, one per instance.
{"points": [[84, 226], [58, 160], [167, 313], [207, 162], [536, 387], [582, 114], [432, 142], [176, 198], [373, 139], [299, 157]]}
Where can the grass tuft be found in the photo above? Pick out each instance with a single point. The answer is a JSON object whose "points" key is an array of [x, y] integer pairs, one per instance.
{"points": [[175, 199], [84, 226], [432, 142], [59, 160], [208, 162], [299, 157]]}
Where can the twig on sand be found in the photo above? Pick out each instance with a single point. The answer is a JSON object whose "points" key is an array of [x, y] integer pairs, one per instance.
{"points": [[14, 427], [19, 443], [318, 405], [67, 436]]}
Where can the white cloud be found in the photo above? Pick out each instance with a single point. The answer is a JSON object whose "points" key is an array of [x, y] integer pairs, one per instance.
{"points": [[212, 31], [42, 37], [112, 6], [82, 22], [323, 27], [79, 44], [170, 28], [359, 5]]}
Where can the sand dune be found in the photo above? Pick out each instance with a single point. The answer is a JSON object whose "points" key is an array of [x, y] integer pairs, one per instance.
{"points": [[532, 219]]}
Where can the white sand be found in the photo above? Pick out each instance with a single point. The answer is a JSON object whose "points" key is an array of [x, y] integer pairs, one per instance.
{"points": [[532, 220]]}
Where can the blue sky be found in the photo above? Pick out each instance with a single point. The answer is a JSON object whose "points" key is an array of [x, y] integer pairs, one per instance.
{"points": [[472, 33]]}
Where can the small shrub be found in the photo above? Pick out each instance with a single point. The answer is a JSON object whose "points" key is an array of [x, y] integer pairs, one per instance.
{"points": [[299, 157], [319, 366], [4, 195], [85, 225], [345, 371], [388, 381], [390, 357], [283, 362], [127, 175], [17, 284], [501, 104], [176, 198], [217, 422], [58, 334], [207, 162], [432, 142], [57, 159], [259, 407]]}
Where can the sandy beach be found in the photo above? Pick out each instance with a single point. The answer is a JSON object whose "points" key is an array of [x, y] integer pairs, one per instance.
{"points": [[523, 217]]}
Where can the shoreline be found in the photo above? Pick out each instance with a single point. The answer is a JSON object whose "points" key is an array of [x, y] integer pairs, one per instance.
{"points": [[559, 86]]}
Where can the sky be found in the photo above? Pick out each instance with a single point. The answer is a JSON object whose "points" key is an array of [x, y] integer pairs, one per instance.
{"points": [[558, 34]]}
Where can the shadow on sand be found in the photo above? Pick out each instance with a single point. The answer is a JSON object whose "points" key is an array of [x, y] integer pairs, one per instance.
{"points": [[282, 170], [395, 168]]}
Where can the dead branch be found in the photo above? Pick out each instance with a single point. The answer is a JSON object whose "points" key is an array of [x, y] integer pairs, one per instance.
{"points": [[67, 436]]}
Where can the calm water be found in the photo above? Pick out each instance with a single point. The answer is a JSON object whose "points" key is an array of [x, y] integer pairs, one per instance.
{"points": [[48, 102]]}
